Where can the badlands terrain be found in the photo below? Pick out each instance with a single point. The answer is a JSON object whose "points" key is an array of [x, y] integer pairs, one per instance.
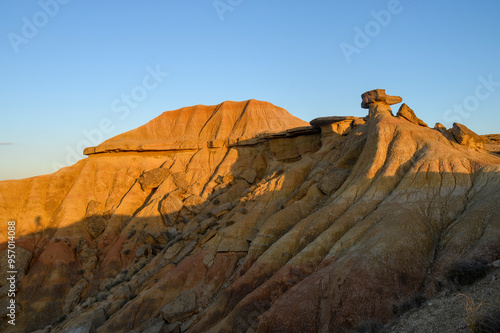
{"points": [[243, 218]]}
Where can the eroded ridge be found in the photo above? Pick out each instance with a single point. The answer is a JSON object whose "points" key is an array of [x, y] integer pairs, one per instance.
{"points": [[277, 225]]}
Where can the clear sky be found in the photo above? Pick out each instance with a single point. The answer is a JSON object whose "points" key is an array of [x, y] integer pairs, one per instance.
{"points": [[75, 72]]}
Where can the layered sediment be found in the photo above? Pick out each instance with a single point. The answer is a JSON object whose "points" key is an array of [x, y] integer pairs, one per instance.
{"points": [[241, 218]]}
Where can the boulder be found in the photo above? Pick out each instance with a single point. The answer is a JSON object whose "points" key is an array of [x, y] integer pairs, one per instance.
{"points": [[407, 113], [466, 137], [194, 203], [249, 174], [153, 178], [170, 208], [96, 225], [73, 296]]}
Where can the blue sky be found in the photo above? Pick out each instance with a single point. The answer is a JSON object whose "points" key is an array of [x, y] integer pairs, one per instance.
{"points": [[66, 65]]}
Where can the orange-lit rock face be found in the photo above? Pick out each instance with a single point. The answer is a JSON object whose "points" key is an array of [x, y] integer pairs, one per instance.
{"points": [[197, 221], [195, 127]]}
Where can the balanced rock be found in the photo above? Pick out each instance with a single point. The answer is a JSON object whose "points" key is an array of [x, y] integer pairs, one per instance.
{"points": [[407, 113], [378, 96], [466, 137], [378, 101]]}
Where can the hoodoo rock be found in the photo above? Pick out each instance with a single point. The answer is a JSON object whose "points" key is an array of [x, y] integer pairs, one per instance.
{"points": [[378, 96], [243, 218], [377, 101]]}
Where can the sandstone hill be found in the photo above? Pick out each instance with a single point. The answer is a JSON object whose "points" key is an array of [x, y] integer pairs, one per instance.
{"points": [[242, 218]]}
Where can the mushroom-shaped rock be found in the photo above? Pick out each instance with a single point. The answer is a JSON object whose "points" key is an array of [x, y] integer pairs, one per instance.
{"points": [[466, 137], [378, 96], [407, 113], [378, 101]]}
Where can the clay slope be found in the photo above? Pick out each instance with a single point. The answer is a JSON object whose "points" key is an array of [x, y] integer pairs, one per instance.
{"points": [[198, 126], [310, 229]]}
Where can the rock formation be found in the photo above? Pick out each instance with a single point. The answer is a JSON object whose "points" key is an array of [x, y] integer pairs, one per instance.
{"points": [[492, 143], [466, 137], [407, 113], [378, 102], [242, 218], [192, 128]]}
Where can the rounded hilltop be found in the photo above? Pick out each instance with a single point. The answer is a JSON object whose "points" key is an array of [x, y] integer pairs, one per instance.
{"points": [[196, 126]]}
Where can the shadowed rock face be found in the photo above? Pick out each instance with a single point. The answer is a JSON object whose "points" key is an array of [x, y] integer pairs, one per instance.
{"points": [[197, 222]]}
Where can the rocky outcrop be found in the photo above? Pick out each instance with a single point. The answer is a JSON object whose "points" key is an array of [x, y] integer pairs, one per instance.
{"points": [[336, 124], [225, 227], [492, 143], [466, 137], [407, 113], [377, 101]]}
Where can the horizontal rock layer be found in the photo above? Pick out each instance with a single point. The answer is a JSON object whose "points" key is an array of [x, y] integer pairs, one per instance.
{"points": [[199, 126]]}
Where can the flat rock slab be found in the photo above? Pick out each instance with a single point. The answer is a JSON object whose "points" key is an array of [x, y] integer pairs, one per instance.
{"points": [[323, 121]]}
